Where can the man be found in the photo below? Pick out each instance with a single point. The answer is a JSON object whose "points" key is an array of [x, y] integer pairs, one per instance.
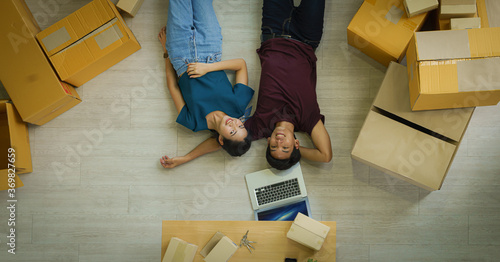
{"points": [[287, 95]]}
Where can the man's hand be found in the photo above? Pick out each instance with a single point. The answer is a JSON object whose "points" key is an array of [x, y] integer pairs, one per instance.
{"points": [[168, 162], [195, 70]]}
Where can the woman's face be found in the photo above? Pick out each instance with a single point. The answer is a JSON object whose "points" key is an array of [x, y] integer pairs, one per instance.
{"points": [[232, 129]]}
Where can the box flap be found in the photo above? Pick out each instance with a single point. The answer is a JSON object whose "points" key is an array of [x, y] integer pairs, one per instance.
{"points": [[441, 45], [393, 97], [403, 151], [72, 28], [484, 42]]}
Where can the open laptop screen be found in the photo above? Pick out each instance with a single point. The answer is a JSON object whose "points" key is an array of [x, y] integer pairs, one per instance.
{"points": [[284, 213]]}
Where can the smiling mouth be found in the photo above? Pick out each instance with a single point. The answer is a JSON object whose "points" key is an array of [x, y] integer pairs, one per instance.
{"points": [[228, 121]]}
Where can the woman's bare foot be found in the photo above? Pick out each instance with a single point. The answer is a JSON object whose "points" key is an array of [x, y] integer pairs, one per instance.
{"points": [[162, 36]]}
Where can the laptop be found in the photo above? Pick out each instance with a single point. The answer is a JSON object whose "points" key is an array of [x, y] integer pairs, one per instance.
{"points": [[278, 195]]}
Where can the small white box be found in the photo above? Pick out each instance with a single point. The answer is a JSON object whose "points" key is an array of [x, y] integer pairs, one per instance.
{"points": [[416, 7], [130, 6], [179, 251], [308, 232], [465, 23], [457, 8]]}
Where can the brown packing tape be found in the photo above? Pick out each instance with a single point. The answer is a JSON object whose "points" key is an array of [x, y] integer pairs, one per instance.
{"points": [[493, 11], [436, 45], [394, 15], [109, 36], [478, 74], [56, 39], [180, 252]]}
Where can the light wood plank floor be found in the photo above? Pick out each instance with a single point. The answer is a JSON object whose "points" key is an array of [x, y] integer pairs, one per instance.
{"points": [[101, 196]]}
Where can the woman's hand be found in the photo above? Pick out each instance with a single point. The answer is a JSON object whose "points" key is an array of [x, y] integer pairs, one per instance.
{"points": [[168, 162], [195, 70]]}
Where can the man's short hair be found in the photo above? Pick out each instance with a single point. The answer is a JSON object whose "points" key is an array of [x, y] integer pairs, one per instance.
{"points": [[236, 148], [283, 164]]}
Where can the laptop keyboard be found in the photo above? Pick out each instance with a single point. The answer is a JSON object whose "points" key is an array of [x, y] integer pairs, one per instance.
{"points": [[278, 191]]}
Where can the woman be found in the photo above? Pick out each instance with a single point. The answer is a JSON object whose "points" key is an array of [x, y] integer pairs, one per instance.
{"points": [[202, 93]]}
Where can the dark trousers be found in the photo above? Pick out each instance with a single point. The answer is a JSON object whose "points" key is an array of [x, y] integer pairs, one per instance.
{"points": [[280, 18]]}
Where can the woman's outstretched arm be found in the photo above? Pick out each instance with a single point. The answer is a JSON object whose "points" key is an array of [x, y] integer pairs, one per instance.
{"points": [[173, 86], [172, 83], [238, 65], [207, 146]]}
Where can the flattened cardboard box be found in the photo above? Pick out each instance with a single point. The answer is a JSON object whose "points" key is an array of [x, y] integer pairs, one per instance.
{"points": [[381, 30], [25, 71], [453, 69], [88, 42], [13, 134], [417, 147]]}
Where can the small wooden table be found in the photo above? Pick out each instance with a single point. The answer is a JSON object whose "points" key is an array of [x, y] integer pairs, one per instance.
{"points": [[272, 243]]}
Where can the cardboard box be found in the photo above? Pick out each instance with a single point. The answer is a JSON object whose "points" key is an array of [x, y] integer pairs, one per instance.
{"points": [[445, 23], [417, 147], [308, 232], [130, 6], [179, 250], [489, 12], [416, 7], [223, 249], [452, 69], [465, 23], [457, 8], [88, 42], [211, 244], [13, 134], [381, 30], [25, 72]]}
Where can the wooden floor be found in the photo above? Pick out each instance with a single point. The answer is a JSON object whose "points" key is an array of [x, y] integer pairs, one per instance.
{"points": [[100, 195]]}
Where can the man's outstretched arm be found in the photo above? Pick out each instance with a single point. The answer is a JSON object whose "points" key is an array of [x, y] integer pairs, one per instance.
{"points": [[321, 140]]}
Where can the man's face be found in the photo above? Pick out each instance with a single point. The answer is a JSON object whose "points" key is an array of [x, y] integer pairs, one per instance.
{"points": [[282, 142]]}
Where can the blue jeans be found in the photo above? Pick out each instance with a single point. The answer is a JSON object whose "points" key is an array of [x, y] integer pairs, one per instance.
{"points": [[304, 23], [193, 33]]}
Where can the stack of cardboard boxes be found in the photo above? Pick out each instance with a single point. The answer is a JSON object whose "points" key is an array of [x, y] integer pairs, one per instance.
{"points": [[39, 69], [404, 134]]}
